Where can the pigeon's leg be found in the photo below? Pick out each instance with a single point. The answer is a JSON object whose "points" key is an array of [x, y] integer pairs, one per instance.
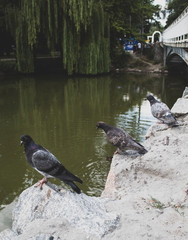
{"points": [[41, 182], [116, 152], [160, 122]]}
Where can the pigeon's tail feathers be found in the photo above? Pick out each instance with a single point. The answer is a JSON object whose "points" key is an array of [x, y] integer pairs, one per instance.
{"points": [[68, 176], [175, 124], [77, 179], [143, 151], [74, 178], [139, 147], [73, 186]]}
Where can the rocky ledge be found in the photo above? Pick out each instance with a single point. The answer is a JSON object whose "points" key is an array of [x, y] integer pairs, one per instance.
{"points": [[145, 197], [151, 191], [51, 214]]}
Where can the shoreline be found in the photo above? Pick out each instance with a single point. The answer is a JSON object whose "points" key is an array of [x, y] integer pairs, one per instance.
{"points": [[137, 70], [145, 196], [8, 67], [150, 191]]}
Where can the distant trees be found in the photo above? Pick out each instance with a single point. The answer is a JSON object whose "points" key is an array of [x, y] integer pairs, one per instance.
{"points": [[81, 30], [175, 7], [131, 18]]}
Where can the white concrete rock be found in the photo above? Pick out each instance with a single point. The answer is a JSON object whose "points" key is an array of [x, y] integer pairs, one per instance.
{"points": [[180, 107], [185, 93], [150, 191], [37, 209], [7, 234]]}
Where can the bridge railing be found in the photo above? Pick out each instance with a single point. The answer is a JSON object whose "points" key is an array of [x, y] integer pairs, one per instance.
{"points": [[176, 34]]}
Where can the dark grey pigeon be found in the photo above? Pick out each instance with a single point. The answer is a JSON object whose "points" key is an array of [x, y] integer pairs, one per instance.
{"points": [[161, 111], [47, 164], [121, 139]]}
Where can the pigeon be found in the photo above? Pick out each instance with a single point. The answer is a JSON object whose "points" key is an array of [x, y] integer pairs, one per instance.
{"points": [[47, 164], [161, 111], [121, 139]]}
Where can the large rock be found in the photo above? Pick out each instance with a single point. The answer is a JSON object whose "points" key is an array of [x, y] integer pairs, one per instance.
{"points": [[181, 105], [150, 191], [49, 214], [7, 234]]}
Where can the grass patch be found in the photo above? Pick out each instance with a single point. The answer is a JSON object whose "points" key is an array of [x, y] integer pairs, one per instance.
{"points": [[157, 204], [178, 209]]}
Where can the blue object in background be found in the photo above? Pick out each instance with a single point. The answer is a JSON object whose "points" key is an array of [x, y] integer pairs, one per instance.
{"points": [[129, 44]]}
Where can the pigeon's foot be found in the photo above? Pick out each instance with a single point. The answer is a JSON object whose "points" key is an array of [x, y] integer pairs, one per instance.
{"points": [[41, 182], [63, 190], [116, 152], [159, 122], [109, 158]]}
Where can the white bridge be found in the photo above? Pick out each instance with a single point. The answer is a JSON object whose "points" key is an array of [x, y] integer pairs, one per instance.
{"points": [[174, 40]]}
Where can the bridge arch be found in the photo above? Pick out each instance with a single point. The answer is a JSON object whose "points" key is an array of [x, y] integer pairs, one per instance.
{"points": [[175, 41], [175, 62], [174, 57], [160, 36], [180, 54]]}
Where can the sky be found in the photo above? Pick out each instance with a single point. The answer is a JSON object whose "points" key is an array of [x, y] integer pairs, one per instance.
{"points": [[162, 3]]}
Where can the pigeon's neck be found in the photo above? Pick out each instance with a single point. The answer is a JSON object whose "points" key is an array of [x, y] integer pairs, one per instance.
{"points": [[30, 147], [153, 101], [106, 128]]}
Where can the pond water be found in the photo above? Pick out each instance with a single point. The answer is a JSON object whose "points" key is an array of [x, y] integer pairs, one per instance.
{"points": [[61, 113]]}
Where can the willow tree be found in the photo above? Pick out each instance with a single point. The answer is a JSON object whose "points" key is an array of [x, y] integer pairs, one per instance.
{"points": [[79, 29]]}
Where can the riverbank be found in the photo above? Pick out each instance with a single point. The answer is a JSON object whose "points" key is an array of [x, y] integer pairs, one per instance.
{"points": [[150, 192], [142, 65], [135, 63], [145, 197]]}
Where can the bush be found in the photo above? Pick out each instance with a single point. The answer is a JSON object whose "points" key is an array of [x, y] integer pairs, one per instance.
{"points": [[7, 66], [148, 53], [120, 58]]}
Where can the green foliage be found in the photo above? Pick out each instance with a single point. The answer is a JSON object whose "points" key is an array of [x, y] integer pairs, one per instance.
{"points": [[83, 31], [179, 207], [175, 8], [120, 58], [130, 18], [149, 53], [7, 66], [79, 29], [156, 203]]}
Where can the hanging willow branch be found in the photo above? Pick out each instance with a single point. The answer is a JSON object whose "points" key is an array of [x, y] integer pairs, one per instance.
{"points": [[77, 28]]}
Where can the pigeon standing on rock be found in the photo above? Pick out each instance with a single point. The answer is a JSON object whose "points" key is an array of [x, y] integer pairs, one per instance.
{"points": [[47, 164], [121, 139], [161, 111]]}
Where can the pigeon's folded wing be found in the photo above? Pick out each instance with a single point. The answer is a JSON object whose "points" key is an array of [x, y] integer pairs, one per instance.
{"points": [[162, 114], [159, 109], [46, 162], [114, 140]]}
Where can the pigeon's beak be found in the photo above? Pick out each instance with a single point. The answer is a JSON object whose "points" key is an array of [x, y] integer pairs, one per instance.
{"points": [[97, 127], [21, 142]]}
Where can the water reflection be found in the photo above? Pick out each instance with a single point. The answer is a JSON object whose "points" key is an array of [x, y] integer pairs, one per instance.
{"points": [[61, 114]]}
